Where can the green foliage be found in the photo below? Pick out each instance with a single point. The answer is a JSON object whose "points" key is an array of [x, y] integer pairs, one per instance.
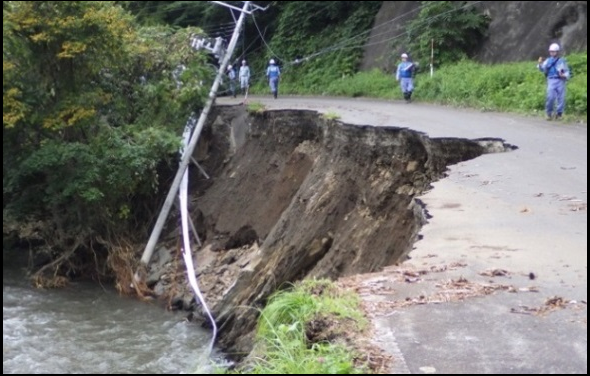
{"points": [[93, 104], [517, 87], [256, 107], [282, 325], [286, 356], [181, 13], [330, 115], [93, 107], [456, 28], [301, 304], [577, 95], [309, 32], [96, 179], [331, 33], [365, 84], [51, 50]]}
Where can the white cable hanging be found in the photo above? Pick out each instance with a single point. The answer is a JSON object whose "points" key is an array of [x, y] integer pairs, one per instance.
{"points": [[186, 248]]}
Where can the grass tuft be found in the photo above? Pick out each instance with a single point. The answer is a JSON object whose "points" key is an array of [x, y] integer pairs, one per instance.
{"points": [[255, 107], [283, 338]]}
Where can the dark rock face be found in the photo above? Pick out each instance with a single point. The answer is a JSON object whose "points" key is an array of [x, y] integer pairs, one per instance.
{"points": [[519, 30], [305, 197], [389, 29], [246, 236], [523, 30]]}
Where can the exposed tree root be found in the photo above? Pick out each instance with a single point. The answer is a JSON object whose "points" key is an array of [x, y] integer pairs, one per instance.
{"points": [[122, 262]]}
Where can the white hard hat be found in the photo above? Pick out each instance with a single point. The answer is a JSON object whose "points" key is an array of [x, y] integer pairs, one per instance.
{"points": [[229, 67], [272, 61], [243, 61], [405, 56], [554, 47]]}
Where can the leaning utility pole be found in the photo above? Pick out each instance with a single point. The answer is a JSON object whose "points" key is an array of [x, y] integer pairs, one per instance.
{"points": [[186, 159]]}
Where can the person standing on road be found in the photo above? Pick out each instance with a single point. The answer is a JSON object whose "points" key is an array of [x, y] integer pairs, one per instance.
{"points": [[557, 72], [244, 77], [273, 74], [404, 74], [231, 74]]}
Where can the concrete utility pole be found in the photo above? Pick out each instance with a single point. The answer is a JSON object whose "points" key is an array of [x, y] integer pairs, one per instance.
{"points": [[432, 59], [186, 159]]}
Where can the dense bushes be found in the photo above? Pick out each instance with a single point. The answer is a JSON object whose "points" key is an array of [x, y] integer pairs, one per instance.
{"points": [[92, 117]]}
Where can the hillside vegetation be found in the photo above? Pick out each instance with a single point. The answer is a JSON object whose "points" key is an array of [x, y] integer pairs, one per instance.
{"points": [[95, 95]]}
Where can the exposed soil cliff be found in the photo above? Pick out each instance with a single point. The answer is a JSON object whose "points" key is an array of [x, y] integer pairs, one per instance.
{"points": [[294, 195]]}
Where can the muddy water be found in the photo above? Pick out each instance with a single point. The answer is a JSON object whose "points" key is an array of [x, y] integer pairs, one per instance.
{"points": [[89, 329]]}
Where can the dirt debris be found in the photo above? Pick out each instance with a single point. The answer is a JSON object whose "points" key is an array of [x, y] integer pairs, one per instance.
{"points": [[446, 291], [345, 331], [372, 356], [381, 299], [495, 273], [552, 304], [524, 289], [578, 207]]}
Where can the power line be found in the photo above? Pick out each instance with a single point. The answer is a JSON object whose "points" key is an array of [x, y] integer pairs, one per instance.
{"points": [[343, 44], [263, 40], [382, 25], [218, 30], [423, 22], [162, 10]]}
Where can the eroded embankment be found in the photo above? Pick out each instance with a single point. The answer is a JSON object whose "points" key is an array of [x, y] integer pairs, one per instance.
{"points": [[293, 195]]}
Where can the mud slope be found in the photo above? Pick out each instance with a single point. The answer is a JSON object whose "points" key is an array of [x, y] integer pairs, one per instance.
{"points": [[293, 195]]}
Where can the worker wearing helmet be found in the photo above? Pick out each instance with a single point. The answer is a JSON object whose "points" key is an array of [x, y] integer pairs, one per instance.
{"points": [[404, 74], [244, 76], [231, 74], [557, 72], [273, 74]]}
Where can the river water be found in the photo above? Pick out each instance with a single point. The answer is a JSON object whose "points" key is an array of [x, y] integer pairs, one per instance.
{"points": [[86, 328]]}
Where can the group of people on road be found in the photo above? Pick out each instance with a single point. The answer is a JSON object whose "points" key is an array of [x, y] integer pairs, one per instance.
{"points": [[243, 75], [554, 67], [273, 75]]}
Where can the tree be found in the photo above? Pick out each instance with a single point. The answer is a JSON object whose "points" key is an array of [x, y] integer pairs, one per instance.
{"points": [[92, 114], [456, 28]]}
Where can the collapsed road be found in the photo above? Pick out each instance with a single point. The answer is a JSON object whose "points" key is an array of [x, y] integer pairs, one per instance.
{"points": [[295, 194]]}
